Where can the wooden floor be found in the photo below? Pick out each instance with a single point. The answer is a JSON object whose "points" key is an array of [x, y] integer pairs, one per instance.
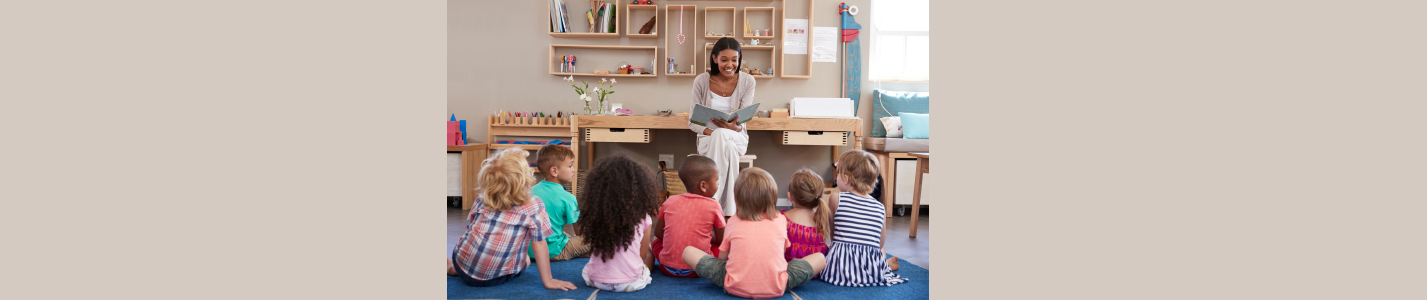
{"points": [[913, 250]]}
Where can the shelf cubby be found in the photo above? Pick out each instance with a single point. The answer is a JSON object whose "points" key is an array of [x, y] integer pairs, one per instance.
{"points": [[717, 13], [807, 60], [601, 60], [634, 23], [691, 34], [757, 11], [772, 56], [575, 19]]}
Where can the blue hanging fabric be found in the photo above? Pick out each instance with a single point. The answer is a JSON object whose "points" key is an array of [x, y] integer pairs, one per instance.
{"points": [[851, 58]]}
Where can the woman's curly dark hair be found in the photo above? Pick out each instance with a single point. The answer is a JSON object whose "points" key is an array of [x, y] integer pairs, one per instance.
{"points": [[618, 194]]}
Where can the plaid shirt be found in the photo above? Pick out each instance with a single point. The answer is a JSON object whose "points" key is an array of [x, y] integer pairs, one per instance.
{"points": [[495, 241]]}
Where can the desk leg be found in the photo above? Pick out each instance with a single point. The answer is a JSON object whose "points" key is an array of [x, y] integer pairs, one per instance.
{"points": [[917, 194], [889, 177], [589, 155]]}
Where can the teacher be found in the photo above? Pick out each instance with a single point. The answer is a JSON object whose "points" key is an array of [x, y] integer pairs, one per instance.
{"points": [[726, 89]]}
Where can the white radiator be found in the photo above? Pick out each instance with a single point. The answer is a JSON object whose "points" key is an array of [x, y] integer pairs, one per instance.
{"points": [[907, 182], [453, 174]]}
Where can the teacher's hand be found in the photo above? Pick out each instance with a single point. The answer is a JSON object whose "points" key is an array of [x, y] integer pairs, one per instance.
{"points": [[722, 124]]}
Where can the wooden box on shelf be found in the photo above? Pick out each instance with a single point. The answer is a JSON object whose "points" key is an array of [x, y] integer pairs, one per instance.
{"points": [[820, 138], [617, 135], [554, 69], [712, 12], [635, 25], [575, 19], [772, 32], [670, 36]]}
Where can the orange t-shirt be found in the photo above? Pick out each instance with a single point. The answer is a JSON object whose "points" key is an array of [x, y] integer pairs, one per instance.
{"points": [[689, 220], [756, 268]]}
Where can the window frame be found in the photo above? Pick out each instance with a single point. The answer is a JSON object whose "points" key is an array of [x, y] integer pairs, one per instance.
{"points": [[876, 36]]}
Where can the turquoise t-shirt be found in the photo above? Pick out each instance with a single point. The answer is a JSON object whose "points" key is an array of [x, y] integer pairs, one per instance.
{"points": [[561, 208]]}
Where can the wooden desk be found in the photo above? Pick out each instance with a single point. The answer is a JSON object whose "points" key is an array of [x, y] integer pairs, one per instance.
{"points": [[682, 122], [471, 157], [924, 160]]}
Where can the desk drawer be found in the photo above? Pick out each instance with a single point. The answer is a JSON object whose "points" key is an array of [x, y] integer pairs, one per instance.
{"points": [[617, 135], [821, 138]]}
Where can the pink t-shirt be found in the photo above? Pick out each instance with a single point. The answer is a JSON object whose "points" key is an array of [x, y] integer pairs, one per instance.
{"points": [[689, 220], [756, 268], [625, 266]]}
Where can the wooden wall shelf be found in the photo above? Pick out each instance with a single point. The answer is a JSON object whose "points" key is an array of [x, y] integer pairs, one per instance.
{"points": [[772, 25], [782, 67], [571, 18], [554, 69], [634, 28], [771, 56], [732, 26], [691, 34]]}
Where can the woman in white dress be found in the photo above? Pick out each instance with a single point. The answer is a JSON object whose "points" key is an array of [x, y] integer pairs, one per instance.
{"points": [[723, 88]]}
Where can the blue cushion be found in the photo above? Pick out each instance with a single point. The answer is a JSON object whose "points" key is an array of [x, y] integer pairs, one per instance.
{"points": [[896, 102], [916, 126]]}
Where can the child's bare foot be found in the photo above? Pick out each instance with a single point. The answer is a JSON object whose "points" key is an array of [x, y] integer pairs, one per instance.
{"points": [[450, 268], [893, 263]]}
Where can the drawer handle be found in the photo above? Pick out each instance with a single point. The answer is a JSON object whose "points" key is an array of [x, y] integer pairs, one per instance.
{"points": [[815, 133], [616, 130]]}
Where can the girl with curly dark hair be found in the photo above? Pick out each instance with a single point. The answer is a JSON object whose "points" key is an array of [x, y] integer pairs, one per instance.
{"points": [[616, 212]]}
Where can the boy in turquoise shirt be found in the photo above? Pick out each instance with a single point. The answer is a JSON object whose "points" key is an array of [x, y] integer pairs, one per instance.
{"points": [[557, 163]]}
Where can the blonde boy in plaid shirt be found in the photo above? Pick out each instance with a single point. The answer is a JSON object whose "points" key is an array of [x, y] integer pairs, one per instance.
{"points": [[493, 250]]}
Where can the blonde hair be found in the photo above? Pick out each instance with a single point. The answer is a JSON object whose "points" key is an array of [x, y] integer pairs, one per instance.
{"points": [[861, 169], [807, 190], [755, 194], [505, 179]]}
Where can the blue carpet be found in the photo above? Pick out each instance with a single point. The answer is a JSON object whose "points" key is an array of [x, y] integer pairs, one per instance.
{"points": [[528, 286]]}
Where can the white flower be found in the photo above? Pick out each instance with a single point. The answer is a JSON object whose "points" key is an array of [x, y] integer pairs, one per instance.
{"points": [[585, 97], [597, 89], [570, 78]]}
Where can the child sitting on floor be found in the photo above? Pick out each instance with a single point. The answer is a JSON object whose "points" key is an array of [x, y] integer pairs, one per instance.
{"points": [[810, 219], [856, 257], [498, 230], [753, 265], [690, 219], [620, 201], [557, 163]]}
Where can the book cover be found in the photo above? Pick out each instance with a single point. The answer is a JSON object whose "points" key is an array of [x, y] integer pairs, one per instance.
{"points": [[702, 114]]}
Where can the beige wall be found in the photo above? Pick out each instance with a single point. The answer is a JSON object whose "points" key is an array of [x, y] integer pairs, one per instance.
{"points": [[497, 60]]}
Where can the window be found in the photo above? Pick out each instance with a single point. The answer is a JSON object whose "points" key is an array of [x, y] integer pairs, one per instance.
{"points": [[901, 35]]}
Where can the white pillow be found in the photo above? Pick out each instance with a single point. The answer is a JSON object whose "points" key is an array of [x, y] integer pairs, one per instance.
{"points": [[893, 126]]}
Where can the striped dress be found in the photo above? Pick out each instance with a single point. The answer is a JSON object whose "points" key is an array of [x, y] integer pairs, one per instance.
{"points": [[855, 258]]}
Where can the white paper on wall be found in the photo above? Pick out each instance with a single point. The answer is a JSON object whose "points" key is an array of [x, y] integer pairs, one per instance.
{"points": [[795, 32], [825, 44]]}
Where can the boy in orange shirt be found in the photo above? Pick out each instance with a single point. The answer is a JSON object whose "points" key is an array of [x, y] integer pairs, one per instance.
{"points": [[690, 219], [753, 264]]}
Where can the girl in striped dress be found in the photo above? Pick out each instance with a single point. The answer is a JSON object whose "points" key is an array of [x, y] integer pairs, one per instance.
{"points": [[810, 219], [856, 257]]}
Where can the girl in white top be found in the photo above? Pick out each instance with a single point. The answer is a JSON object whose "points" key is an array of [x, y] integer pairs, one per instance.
{"points": [[723, 88]]}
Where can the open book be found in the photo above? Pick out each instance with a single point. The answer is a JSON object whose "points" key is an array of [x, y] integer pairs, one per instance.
{"points": [[702, 114]]}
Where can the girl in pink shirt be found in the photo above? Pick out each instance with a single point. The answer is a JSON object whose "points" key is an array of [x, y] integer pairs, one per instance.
{"points": [[752, 264], [619, 203]]}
